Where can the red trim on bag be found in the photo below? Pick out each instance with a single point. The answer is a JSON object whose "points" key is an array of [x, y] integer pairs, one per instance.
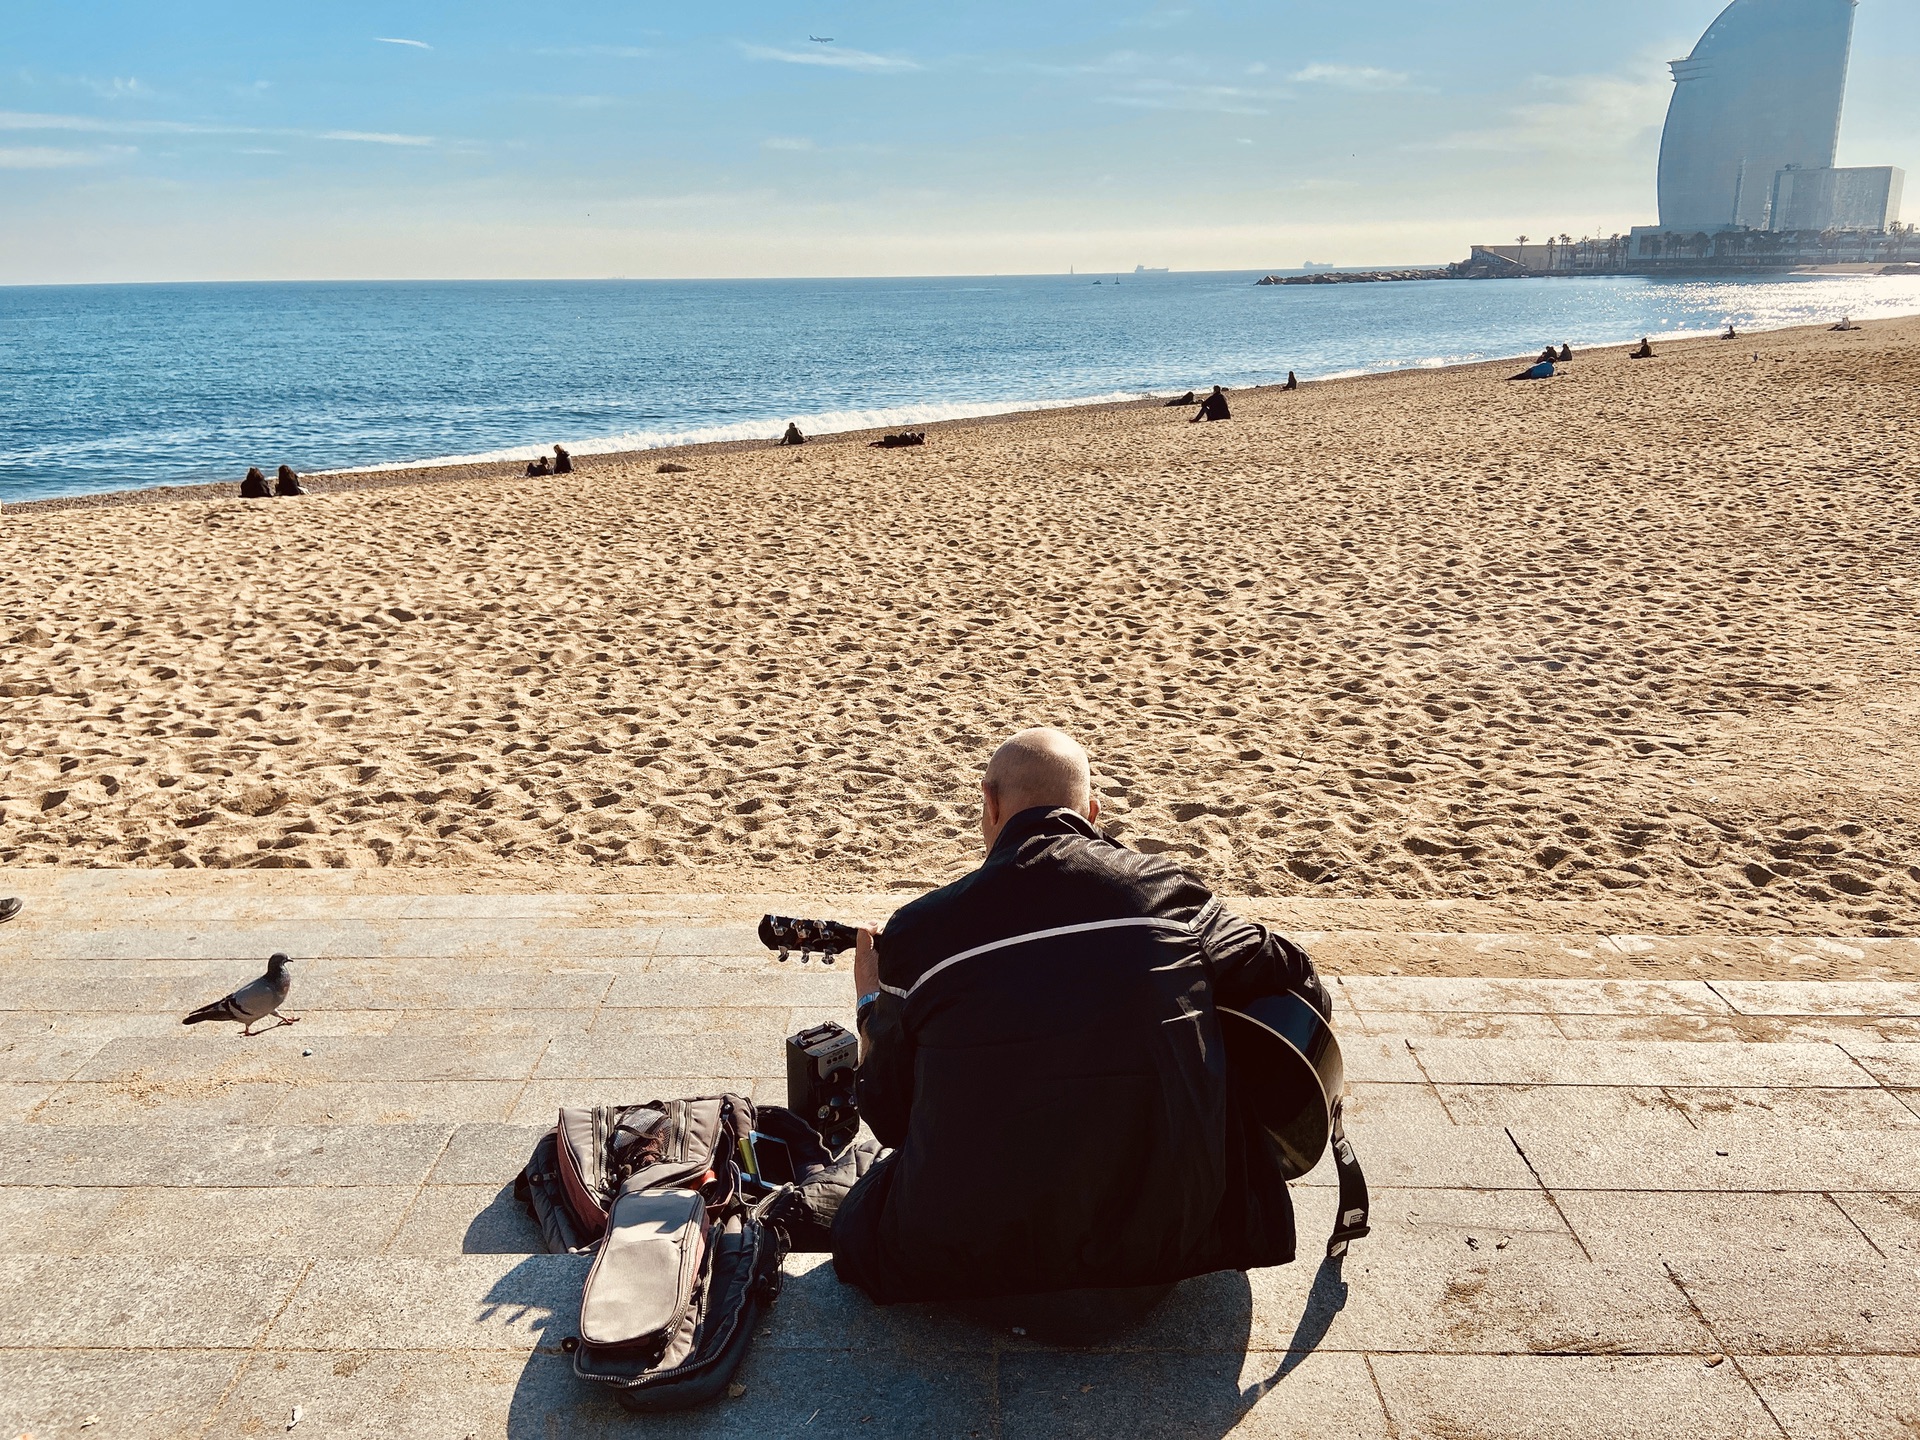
{"points": [[589, 1217]]}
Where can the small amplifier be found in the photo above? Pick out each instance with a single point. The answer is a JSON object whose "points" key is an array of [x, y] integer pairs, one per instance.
{"points": [[822, 1064]]}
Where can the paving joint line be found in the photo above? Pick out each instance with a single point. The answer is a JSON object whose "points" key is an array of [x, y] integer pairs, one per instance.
{"points": [[1421, 1066], [1855, 1223], [1551, 1199], [419, 1190], [1721, 1347], [1898, 1098], [253, 1351], [1732, 1008], [1380, 1396]]}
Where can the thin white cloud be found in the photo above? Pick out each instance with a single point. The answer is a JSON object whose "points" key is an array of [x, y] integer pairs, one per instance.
{"points": [[837, 56], [121, 88], [1581, 115], [1208, 99], [1350, 77], [44, 157], [394, 40], [372, 137], [16, 120], [796, 143]]}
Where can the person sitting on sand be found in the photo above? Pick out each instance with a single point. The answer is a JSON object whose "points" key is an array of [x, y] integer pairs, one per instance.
{"points": [[1214, 407], [793, 435], [1645, 352], [1566, 355], [539, 467], [1548, 356], [287, 482], [1731, 334], [1089, 973], [1293, 382], [562, 461], [254, 487], [1846, 323]]}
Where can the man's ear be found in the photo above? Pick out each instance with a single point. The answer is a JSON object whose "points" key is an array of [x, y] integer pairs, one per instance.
{"points": [[989, 805], [1093, 809]]}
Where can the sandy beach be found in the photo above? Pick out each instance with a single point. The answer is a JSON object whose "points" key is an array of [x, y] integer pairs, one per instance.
{"points": [[1641, 637]]}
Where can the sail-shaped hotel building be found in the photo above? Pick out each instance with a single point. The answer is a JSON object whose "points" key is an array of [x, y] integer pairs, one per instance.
{"points": [[1755, 122]]}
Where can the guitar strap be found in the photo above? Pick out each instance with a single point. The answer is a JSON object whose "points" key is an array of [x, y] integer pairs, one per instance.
{"points": [[1351, 1224]]}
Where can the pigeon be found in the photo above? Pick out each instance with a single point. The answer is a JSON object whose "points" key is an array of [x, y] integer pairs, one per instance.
{"points": [[253, 1001], [8, 909]]}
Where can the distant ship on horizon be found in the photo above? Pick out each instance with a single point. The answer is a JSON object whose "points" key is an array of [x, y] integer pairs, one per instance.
{"points": [[1314, 265], [1150, 270]]}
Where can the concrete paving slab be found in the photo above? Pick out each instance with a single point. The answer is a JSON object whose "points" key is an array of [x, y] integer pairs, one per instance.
{"points": [[1762, 1029], [164, 1102], [1771, 1160], [1841, 1397], [18, 1101], [45, 1057], [357, 939], [1615, 1224], [539, 1103], [139, 1302], [127, 1394], [779, 986], [281, 1054], [52, 1220], [1404, 1151], [467, 1220], [1739, 1111], [1523, 1397], [407, 1302], [1579, 1109], [1068, 1394], [190, 1155], [1802, 1305], [291, 1221], [768, 1025], [1529, 997], [1592, 1062], [1897, 1066], [543, 1024], [1891, 1222], [377, 1102], [381, 1395], [1394, 1025], [616, 1057], [1821, 997], [487, 1154]]}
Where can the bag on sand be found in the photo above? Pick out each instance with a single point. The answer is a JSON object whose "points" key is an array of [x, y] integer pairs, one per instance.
{"points": [[685, 1262]]}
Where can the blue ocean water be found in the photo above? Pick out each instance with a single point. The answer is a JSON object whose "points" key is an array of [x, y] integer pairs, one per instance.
{"points": [[114, 387]]}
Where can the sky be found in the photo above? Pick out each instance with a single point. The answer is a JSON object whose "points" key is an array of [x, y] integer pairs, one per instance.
{"points": [[202, 141]]}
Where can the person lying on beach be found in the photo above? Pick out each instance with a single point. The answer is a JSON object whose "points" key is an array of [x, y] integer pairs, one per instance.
{"points": [[900, 441], [254, 487], [1293, 382], [1031, 1032], [1645, 352], [1182, 400], [1566, 355], [287, 482], [562, 461], [539, 467], [793, 435], [1540, 371], [1214, 407]]}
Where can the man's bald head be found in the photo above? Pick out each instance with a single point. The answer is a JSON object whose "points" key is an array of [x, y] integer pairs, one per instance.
{"points": [[1039, 767]]}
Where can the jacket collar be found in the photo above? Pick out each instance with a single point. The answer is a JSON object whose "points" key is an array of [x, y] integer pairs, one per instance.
{"points": [[1041, 820]]}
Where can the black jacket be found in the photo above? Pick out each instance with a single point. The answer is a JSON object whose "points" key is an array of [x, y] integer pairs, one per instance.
{"points": [[1046, 1060]]}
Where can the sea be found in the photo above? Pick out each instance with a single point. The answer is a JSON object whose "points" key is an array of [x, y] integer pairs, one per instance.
{"points": [[116, 387]]}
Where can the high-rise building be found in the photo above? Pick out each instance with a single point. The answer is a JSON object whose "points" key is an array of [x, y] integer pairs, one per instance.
{"points": [[1760, 94]]}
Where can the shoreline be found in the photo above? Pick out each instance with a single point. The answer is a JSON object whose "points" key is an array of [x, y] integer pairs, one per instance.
{"points": [[431, 471]]}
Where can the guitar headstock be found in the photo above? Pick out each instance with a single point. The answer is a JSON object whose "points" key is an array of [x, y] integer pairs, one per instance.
{"points": [[826, 938]]}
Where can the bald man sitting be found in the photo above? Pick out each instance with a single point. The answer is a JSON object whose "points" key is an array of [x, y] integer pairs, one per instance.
{"points": [[1041, 1052]]}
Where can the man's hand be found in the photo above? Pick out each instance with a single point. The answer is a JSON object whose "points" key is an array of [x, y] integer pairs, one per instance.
{"points": [[866, 962]]}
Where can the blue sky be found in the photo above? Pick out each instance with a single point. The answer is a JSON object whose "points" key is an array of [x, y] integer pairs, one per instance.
{"points": [[188, 140]]}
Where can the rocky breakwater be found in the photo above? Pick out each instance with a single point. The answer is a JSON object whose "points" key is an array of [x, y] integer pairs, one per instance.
{"points": [[1354, 277]]}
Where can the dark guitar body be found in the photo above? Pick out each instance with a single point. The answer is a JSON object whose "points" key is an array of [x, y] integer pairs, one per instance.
{"points": [[1284, 1060]]}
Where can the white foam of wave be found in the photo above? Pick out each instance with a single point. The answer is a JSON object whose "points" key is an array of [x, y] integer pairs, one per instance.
{"points": [[819, 423]]}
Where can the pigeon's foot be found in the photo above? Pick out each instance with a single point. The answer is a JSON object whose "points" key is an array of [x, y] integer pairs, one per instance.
{"points": [[8, 909]]}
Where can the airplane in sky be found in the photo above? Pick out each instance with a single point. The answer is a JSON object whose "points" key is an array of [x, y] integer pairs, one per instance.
{"points": [[821, 39]]}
